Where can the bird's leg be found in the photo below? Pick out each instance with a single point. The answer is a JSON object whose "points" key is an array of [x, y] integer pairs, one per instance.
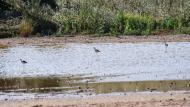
{"points": [[65, 39], [86, 85], [19, 84], [166, 48], [22, 68]]}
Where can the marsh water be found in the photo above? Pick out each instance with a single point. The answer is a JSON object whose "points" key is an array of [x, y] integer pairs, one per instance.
{"points": [[75, 69]]}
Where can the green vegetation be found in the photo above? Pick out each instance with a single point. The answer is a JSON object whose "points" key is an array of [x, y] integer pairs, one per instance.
{"points": [[102, 17], [138, 25], [26, 17]]}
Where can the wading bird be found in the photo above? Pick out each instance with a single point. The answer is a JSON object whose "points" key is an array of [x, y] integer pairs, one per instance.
{"points": [[96, 50], [165, 43], [23, 61]]}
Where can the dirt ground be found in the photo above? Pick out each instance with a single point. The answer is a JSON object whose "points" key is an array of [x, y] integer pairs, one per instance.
{"points": [[90, 39], [155, 99]]}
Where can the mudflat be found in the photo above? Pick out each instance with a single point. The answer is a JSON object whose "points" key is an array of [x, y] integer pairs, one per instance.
{"points": [[139, 99]]}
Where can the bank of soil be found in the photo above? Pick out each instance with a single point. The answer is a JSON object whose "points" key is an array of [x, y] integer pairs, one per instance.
{"points": [[91, 39]]}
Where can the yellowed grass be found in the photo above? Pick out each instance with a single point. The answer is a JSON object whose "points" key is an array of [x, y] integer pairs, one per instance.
{"points": [[25, 28]]}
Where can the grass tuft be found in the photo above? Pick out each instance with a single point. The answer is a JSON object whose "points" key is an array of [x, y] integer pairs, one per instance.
{"points": [[25, 28]]}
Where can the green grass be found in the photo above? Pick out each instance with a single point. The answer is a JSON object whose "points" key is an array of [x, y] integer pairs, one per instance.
{"points": [[120, 17], [116, 17]]}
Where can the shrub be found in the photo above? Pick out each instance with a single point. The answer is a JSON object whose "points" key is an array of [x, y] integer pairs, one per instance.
{"points": [[184, 30], [90, 19], [138, 25], [168, 23], [118, 25]]}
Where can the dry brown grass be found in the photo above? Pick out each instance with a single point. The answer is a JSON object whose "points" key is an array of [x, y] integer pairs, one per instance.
{"points": [[25, 28]]}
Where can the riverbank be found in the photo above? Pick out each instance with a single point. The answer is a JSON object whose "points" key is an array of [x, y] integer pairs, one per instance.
{"points": [[91, 39], [139, 99]]}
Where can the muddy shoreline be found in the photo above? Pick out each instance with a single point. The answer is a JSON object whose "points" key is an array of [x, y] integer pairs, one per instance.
{"points": [[91, 39], [140, 99]]}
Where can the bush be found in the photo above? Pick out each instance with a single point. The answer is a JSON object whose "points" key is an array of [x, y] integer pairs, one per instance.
{"points": [[118, 25], [168, 23], [184, 30], [89, 19], [138, 25]]}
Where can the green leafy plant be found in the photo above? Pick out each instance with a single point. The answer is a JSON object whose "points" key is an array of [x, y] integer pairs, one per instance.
{"points": [[138, 25], [169, 23]]}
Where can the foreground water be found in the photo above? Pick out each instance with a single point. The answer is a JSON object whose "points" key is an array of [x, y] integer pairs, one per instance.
{"points": [[77, 68]]}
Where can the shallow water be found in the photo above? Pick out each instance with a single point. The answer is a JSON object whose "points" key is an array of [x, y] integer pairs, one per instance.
{"points": [[129, 62], [78, 66]]}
